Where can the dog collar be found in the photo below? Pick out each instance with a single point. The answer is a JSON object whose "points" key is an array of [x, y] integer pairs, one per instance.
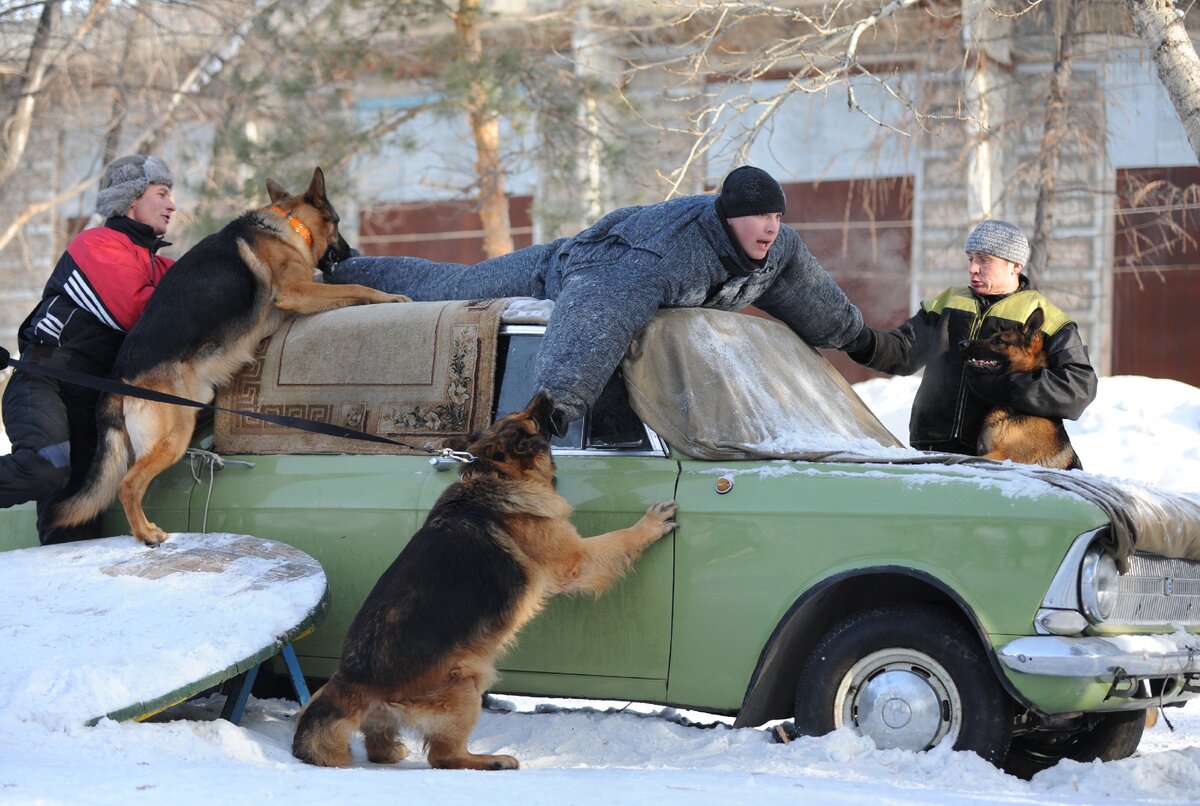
{"points": [[296, 223]]}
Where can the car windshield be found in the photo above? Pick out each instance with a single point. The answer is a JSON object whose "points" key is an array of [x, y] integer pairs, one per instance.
{"points": [[720, 385]]}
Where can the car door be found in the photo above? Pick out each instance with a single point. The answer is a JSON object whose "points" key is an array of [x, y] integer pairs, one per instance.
{"points": [[610, 469]]}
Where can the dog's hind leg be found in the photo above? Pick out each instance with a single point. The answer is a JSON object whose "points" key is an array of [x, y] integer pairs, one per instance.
{"points": [[447, 720], [605, 558], [159, 434], [326, 722], [380, 728]]}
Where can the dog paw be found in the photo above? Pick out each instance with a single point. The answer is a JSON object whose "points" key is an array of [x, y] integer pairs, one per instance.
{"points": [[398, 298], [473, 761], [390, 753], [152, 537], [661, 516]]}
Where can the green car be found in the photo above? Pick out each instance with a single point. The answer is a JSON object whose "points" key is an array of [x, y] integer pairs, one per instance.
{"points": [[820, 571]]}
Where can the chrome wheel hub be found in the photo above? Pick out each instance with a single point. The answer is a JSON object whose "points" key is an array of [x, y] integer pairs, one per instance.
{"points": [[899, 697]]}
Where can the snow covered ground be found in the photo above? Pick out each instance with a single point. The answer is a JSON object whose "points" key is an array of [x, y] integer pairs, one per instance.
{"points": [[586, 752]]}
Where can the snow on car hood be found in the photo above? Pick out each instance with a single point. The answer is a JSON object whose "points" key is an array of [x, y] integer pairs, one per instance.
{"points": [[725, 386], [721, 385]]}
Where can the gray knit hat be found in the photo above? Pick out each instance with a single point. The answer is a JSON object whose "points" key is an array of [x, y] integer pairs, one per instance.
{"points": [[750, 191], [126, 178], [999, 238]]}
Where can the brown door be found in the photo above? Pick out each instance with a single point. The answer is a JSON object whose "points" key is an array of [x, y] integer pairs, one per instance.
{"points": [[1156, 276], [861, 232]]}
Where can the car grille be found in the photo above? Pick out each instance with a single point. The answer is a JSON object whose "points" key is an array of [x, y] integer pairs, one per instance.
{"points": [[1158, 590]]}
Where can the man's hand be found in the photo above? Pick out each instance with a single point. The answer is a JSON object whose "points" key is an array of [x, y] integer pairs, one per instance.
{"points": [[862, 346]]}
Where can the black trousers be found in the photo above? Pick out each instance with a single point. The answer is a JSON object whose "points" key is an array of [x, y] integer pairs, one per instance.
{"points": [[52, 428]]}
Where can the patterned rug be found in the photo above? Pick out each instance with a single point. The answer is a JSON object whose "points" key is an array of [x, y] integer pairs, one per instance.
{"points": [[418, 372]]}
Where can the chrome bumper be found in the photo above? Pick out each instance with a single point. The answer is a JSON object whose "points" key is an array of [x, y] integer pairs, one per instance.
{"points": [[1101, 657]]}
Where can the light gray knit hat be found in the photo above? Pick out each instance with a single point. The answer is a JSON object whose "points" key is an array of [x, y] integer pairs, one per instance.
{"points": [[126, 178], [999, 238]]}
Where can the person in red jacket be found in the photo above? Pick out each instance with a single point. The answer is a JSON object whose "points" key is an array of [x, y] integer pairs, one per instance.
{"points": [[97, 290]]}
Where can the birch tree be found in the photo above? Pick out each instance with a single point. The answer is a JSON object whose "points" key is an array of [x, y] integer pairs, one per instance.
{"points": [[1159, 23]]}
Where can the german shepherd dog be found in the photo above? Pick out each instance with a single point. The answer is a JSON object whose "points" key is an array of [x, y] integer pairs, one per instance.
{"points": [[201, 324], [496, 546], [1008, 434]]}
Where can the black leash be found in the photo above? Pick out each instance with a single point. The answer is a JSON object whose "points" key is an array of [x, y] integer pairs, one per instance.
{"points": [[117, 387]]}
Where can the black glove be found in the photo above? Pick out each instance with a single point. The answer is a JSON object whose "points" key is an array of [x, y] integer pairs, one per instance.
{"points": [[862, 346], [995, 389], [3, 358]]}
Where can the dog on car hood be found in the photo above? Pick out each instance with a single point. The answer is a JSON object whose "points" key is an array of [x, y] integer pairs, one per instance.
{"points": [[201, 324]]}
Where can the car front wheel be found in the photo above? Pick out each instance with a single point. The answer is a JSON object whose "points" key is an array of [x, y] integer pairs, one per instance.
{"points": [[907, 676]]}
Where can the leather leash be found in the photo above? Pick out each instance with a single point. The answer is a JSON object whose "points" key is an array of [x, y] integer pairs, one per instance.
{"points": [[304, 424]]}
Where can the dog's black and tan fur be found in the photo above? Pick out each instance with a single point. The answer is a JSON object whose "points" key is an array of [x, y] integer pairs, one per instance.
{"points": [[200, 326], [1006, 433], [496, 546]]}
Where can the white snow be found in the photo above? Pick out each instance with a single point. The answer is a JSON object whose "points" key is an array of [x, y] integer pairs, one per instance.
{"points": [[586, 752]]}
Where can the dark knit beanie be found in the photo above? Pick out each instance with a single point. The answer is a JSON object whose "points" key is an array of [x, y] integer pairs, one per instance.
{"points": [[126, 178], [999, 238], [750, 191]]}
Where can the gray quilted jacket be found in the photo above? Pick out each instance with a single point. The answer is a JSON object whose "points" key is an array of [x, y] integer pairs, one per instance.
{"points": [[608, 281]]}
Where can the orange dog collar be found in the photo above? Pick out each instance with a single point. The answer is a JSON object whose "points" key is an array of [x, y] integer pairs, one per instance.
{"points": [[296, 223]]}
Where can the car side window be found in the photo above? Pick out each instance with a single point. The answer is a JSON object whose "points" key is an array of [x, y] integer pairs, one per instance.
{"points": [[609, 424]]}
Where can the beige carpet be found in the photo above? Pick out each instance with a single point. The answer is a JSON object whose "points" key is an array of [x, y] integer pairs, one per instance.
{"points": [[416, 372]]}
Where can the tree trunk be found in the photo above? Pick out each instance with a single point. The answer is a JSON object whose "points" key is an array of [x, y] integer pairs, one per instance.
{"points": [[1054, 132], [1175, 59], [485, 125], [20, 119], [984, 100], [116, 119]]}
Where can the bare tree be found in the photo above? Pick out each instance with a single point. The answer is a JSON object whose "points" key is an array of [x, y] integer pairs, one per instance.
{"points": [[43, 55], [715, 53], [1055, 130], [156, 109], [1160, 25], [485, 128]]}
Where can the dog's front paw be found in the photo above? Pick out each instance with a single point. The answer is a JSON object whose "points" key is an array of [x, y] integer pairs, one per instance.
{"points": [[660, 517], [151, 536], [398, 298]]}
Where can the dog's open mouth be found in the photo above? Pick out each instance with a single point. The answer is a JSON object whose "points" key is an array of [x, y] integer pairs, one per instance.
{"points": [[990, 364]]}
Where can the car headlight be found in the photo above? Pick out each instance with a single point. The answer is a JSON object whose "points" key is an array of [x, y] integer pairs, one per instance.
{"points": [[1098, 585]]}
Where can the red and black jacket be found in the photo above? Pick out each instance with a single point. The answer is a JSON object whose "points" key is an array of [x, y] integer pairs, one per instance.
{"points": [[98, 290]]}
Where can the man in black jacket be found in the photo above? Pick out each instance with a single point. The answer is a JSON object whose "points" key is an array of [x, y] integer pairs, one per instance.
{"points": [[952, 399], [96, 292]]}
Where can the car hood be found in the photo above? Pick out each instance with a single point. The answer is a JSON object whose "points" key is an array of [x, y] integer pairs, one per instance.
{"points": [[725, 386]]}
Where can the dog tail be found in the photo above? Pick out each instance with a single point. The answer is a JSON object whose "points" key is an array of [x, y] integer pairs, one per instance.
{"points": [[109, 466], [324, 728]]}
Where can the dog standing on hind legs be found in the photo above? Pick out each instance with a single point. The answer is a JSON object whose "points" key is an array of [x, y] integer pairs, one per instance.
{"points": [[1007, 433], [202, 323], [496, 546]]}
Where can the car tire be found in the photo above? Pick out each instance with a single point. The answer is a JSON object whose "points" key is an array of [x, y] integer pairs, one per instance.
{"points": [[1115, 736], [906, 676]]}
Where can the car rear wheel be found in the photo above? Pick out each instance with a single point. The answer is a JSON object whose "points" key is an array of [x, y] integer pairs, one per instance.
{"points": [[1114, 736], [907, 676]]}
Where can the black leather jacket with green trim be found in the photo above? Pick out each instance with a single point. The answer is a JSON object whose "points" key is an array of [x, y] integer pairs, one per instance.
{"points": [[947, 414]]}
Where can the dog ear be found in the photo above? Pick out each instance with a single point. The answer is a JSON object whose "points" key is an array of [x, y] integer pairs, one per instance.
{"points": [[1034, 323], [315, 194], [276, 191], [541, 410]]}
